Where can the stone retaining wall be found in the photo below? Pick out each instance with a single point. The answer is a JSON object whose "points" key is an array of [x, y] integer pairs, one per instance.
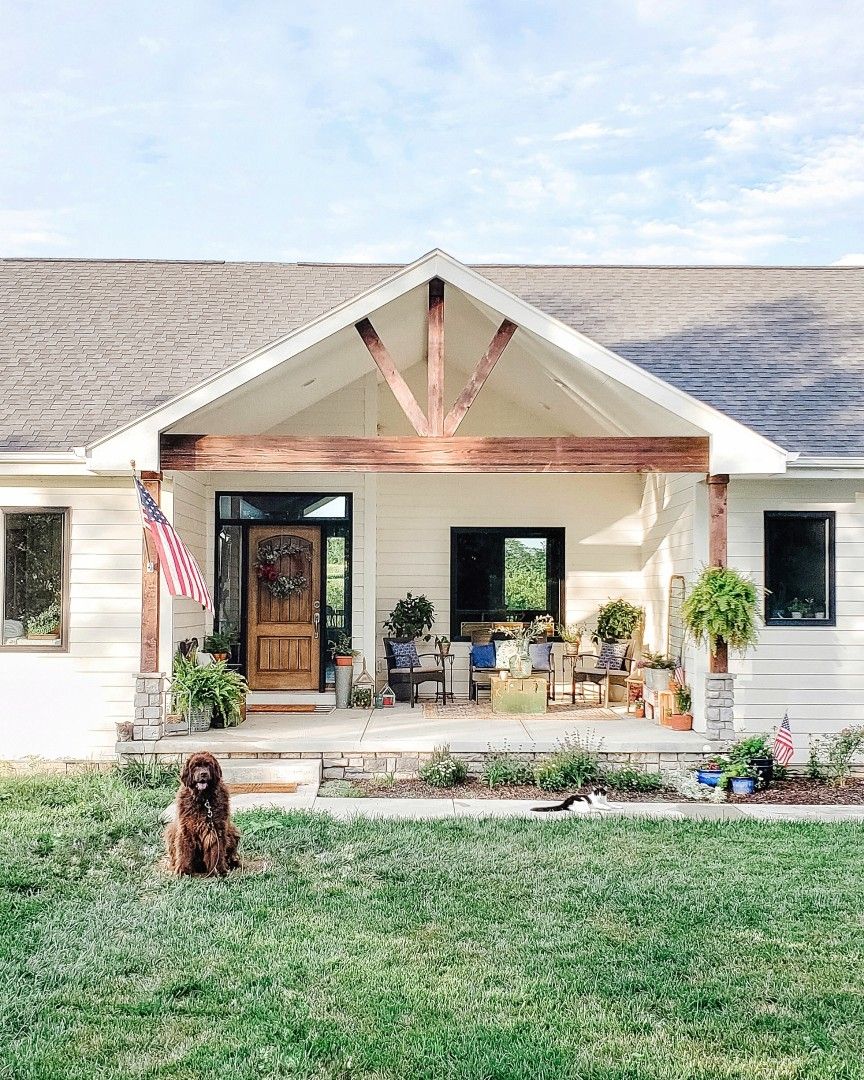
{"points": [[404, 766]]}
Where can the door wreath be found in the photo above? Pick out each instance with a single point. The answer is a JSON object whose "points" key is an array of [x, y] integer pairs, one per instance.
{"points": [[279, 585]]}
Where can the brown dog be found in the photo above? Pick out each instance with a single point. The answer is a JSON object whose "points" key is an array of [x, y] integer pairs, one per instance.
{"points": [[202, 838]]}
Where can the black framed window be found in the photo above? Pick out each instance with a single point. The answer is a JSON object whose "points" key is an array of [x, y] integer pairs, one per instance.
{"points": [[799, 568], [500, 574], [34, 579]]}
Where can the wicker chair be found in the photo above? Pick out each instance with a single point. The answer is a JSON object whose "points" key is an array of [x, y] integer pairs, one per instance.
{"points": [[413, 675]]}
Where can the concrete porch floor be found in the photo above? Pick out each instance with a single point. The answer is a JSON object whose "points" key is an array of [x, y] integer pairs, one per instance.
{"points": [[406, 730]]}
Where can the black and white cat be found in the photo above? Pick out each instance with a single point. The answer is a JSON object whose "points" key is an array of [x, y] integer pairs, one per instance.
{"points": [[596, 799]]}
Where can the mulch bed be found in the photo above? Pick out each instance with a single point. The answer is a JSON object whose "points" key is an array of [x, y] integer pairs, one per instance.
{"points": [[794, 791]]}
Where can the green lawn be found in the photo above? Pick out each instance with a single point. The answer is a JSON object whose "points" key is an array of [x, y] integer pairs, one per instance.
{"points": [[471, 950]]}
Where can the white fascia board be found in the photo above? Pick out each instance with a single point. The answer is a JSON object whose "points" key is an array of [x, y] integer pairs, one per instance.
{"points": [[49, 463], [734, 447], [815, 466], [138, 441]]}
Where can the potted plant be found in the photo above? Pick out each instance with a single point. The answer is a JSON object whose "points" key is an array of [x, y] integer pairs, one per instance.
{"points": [[639, 708], [656, 670], [411, 618], [571, 634], [618, 620], [721, 609], [341, 651], [200, 691], [542, 628], [218, 645], [47, 623], [755, 751], [682, 718], [710, 771], [740, 776], [442, 644], [800, 609]]}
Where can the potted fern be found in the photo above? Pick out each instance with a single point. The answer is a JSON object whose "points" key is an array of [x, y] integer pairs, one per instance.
{"points": [[721, 610], [618, 620]]}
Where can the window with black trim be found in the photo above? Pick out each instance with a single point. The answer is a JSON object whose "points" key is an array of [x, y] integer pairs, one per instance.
{"points": [[501, 574], [33, 578], [799, 568]]}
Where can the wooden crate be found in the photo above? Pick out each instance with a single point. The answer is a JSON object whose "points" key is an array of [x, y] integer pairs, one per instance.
{"points": [[512, 696]]}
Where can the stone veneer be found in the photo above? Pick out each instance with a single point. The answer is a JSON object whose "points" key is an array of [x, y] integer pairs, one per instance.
{"points": [[149, 706], [720, 709], [404, 765]]}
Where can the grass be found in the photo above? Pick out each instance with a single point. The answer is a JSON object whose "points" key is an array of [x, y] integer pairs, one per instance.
{"points": [[462, 949]]}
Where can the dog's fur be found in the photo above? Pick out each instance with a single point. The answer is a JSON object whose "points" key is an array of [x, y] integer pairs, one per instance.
{"points": [[202, 838]]}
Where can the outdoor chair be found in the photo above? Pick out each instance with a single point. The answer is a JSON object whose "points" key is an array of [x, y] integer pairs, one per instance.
{"points": [[612, 666], [482, 666], [408, 668]]}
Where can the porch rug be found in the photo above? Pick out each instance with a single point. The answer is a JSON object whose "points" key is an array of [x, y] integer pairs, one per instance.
{"points": [[557, 710]]}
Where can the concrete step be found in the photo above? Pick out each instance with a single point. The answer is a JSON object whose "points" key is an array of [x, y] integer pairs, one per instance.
{"points": [[306, 774], [290, 697]]}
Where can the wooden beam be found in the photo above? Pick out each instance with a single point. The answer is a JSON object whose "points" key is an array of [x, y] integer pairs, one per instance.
{"points": [[150, 581], [435, 358], [718, 545], [221, 453], [401, 389], [479, 376]]}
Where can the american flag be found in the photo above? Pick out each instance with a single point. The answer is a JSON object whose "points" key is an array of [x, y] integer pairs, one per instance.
{"points": [[783, 746], [182, 574]]}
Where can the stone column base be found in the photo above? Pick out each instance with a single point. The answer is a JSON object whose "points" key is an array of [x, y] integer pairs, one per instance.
{"points": [[149, 722], [720, 709]]}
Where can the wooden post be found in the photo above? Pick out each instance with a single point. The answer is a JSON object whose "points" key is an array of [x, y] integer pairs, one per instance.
{"points": [[435, 358], [152, 482], [718, 540]]}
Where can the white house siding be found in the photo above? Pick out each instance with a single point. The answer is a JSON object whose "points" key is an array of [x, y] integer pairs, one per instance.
{"points": [[188, 497], [816, 674], [66, 704], [603, 545]]}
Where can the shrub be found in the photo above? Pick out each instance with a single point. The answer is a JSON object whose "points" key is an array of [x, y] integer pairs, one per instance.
{"points": [[572, 766], [688, 787], [722, 607], [443, 770], [633, 780], [831, 755], [505, 770], [751, 747]]}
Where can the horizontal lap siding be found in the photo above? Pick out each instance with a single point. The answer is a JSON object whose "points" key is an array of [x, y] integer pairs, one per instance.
{"points": [[66, 705], [815, 674], [416, 513], [192, 498]]}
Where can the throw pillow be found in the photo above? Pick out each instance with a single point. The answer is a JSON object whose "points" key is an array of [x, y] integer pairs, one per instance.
{"points": [[504, 650], [541, 656], [483, 656], [612, 655], [405, 654]]}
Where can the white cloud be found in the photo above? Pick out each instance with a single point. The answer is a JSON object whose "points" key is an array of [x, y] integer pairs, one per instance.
{"points": [[743, 133], [854, 258], [591, 130], [29, 232]]}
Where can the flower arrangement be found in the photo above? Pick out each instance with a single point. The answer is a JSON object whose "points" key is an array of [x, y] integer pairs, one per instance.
{"points": [[278, 585]]}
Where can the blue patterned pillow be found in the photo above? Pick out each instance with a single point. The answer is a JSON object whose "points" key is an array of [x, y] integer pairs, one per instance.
{"points": [[483, 656], [612, 655], [405, 654], [541, 656]]}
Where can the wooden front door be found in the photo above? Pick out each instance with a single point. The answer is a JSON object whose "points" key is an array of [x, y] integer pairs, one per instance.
{"points": [[284, 616]]}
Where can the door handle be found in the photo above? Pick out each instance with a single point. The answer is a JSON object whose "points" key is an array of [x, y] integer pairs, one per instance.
{"points": [[316, 623]]}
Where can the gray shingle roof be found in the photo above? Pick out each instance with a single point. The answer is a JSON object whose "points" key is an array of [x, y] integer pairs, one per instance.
{"points": [[86, 346]]}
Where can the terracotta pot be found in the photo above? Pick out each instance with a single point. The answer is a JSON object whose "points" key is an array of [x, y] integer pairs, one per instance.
{"points": [[678, 721], [343, 661], [639, 712], [220, 656]]}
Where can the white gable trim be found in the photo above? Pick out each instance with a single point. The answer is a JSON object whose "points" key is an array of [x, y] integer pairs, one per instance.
{"points": [[735, 448]]}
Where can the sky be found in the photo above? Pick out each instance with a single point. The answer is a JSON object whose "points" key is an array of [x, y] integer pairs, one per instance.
{"points": [[625, 131]]}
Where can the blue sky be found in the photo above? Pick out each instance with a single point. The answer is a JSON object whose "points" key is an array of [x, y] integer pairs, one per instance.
{"points": [[640, 131]]}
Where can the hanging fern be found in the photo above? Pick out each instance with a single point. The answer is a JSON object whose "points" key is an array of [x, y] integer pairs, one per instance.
{"points": [[722, 606]]}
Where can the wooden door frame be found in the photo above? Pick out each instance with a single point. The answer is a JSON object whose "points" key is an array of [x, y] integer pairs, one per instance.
{"points": [[327, 528]]}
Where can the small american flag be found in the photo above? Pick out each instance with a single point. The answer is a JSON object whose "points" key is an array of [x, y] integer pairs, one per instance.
{"points": [[182, 574], [783, 746]]}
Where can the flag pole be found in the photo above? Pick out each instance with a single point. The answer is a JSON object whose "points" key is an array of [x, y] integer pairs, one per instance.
{"points": [[151, 562]]}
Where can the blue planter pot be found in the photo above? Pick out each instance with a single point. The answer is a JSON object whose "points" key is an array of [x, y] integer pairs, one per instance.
{"points": [[708, 776], [743, 785]]}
